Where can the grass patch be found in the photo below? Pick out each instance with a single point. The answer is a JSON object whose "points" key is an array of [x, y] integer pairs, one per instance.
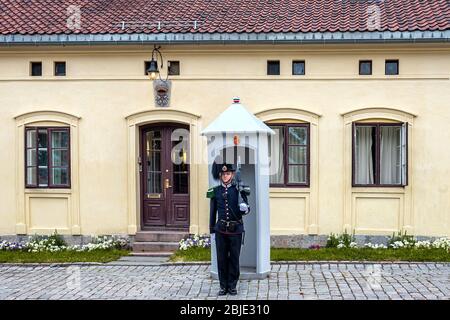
{"points": [[64, 256], [330, 254], [360, 254], [191, 254]]}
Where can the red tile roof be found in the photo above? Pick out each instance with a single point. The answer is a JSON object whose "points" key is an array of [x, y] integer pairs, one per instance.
{"points": [[221, 16]]}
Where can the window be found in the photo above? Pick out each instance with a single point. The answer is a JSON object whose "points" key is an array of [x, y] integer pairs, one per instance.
{"points": [[47, 157], [273, 68], [146, 66], [289, 155], [298, 67], [60, 68], [380, 154], [391, 67], [174, 68], [365, 67], [36, 69]]}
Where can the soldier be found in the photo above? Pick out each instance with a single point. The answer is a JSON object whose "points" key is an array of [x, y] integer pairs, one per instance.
{"points": [[229, 227]]}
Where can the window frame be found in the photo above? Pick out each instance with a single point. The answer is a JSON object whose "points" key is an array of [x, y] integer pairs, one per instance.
{"points": [[286, 183], [54, 68], [371, 67], [304, 67], [31, 68], [377, 163], [279, 67], [169, 63], [49, 129], [146, 66], [390, 61]]}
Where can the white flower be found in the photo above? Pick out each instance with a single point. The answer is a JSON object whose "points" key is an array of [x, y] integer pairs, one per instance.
{"points": [[353, 245]]}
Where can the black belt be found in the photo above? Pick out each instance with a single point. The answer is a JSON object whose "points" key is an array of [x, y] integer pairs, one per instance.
{"points": [[234, 221]]}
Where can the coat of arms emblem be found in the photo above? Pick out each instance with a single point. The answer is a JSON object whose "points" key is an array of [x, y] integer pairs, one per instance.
{"points": [[161, 90]]}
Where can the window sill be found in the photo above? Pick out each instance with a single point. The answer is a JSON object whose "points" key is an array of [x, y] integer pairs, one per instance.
{"points": [[289, 190], [48, 191], [376, 189]]}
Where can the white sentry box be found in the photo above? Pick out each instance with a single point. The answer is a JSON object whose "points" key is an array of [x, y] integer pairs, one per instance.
{"points": [[239, 136]]}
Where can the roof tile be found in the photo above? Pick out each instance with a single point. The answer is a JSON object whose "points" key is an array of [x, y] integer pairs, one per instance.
{"points": [[223, 16]]}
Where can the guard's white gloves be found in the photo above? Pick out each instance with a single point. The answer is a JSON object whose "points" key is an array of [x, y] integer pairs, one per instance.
{"points": [[243, 207]]}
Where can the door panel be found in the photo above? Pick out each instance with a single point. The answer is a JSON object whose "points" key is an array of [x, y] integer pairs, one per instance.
{"points": [[165, 176]]}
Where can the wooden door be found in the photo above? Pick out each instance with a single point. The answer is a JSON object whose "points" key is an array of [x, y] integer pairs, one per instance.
{"points": [[164, 172]]}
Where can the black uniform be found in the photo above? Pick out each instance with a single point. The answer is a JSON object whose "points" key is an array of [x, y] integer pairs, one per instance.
{"points": [[228, 230]]}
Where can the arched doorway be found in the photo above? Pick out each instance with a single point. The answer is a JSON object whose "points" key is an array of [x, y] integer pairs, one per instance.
{"points": [[164, 176]]}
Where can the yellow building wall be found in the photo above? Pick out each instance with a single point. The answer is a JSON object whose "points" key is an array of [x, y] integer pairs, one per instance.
{"points": [[106, 96]]}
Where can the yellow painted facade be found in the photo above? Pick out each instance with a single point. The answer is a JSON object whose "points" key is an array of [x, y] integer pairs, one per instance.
{"points": [[106, 97]]}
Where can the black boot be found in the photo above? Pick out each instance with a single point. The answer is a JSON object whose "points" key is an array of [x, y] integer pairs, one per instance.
{"points": [[233, 291], [222, 291]]}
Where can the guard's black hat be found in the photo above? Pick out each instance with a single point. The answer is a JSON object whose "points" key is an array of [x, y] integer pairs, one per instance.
{"points": [[227, 167], [218, 166]]}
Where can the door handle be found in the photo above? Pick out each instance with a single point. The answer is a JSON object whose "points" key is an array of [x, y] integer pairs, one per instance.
{"points": [[167, 184]]}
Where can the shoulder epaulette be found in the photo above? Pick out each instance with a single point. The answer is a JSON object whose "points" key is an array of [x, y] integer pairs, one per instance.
{"points": [[211, 193]]}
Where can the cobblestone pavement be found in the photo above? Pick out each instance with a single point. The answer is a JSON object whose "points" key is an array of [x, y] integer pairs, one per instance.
{"points": [[286, 281]]}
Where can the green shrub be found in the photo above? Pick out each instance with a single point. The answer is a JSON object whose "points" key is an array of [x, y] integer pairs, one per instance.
{"points": [[401, 240], [344, 240]]}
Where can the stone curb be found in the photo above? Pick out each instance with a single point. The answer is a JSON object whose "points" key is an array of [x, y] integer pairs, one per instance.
{"points": [[193, 263]]}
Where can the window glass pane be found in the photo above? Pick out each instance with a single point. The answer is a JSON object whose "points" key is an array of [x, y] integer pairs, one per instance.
{"points": [[390, 155], [154, 174], [31, 138], [391, 67], [60, 176], [42, 157], [180, 183], [60, 158], [43, 176], [297, 155], [154, 161], [174, 68], [365, 67], [60, 68], [298, 67], [31, 157], [180, 151], [276, 155], [297, 135], [154, 182], [154, 140], [31, 176], [273, 67], [364, 165], [297, 174], [36, 69], [60, 139], [42, 138]]}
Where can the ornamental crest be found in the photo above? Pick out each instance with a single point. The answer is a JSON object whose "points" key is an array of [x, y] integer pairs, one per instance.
{"points": [[161, 90]]}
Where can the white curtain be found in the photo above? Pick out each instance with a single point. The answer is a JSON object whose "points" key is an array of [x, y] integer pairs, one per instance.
{"points": [[390, 155], [276, 156], [363, 156]]}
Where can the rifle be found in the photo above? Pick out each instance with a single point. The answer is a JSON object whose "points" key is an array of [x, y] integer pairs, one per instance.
{"points": [[243, 190]]}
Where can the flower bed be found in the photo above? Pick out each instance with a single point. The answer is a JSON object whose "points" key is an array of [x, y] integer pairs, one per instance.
{"points": [[399, 241], [55, 243], [345, 240], [195, 241]]}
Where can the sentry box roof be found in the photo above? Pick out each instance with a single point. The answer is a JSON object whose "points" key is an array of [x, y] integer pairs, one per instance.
{"points": [[236, 119]]}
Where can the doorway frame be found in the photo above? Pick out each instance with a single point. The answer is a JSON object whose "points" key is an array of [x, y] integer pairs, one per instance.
{"points": [[196, 146]]}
